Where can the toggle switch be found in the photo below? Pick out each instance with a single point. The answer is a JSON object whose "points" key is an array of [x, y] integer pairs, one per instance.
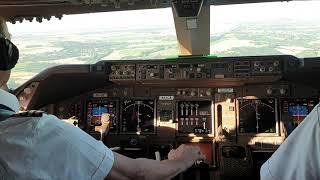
{"points": [[181, 109], [187, 109], [191, 108], [191, 121], [197, 108], [181, 120]]}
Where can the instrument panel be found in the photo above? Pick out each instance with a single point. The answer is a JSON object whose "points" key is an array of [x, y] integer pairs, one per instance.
{"points": [[201, 68], [222, 105], [234, 98]]}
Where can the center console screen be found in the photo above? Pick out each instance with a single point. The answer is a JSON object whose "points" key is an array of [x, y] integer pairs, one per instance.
{"points": [[194, 117]]}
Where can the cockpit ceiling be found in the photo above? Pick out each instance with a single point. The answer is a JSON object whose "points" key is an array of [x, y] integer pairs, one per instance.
{"points": [[11, 9]]}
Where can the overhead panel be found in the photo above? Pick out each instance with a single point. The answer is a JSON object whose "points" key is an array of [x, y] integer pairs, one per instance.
{"points": [[11, 9]]}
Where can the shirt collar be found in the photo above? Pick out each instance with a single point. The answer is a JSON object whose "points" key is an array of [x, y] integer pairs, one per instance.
{"points": [[9, 100]]}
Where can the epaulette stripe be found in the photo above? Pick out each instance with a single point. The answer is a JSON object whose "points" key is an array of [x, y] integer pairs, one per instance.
{"points": [[31, 113]]}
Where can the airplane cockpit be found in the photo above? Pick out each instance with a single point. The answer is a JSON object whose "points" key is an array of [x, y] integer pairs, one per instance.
{"points": [[237, 109]]}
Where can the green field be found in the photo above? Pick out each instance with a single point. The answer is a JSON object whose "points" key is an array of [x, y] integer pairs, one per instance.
{"points": [[41, 51]]}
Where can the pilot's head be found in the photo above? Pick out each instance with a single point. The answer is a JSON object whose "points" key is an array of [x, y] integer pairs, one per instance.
{"points": [[9, 54]]}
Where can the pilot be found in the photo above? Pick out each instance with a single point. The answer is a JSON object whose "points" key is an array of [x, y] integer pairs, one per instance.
{"points": [[44, 147], [298, 156]]}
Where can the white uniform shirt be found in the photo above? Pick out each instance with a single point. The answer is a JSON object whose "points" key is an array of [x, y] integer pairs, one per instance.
{"points": [[298, 157], [48, 148]]}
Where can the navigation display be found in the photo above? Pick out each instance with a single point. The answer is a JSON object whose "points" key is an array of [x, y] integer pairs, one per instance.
{"points": [[257, 115], [138, 116]]}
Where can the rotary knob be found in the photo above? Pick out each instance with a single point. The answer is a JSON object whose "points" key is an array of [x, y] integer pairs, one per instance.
{"points": [[113, 68], [269, 91], [276, 63], [193, 93], [208, 92], [283, 91], [61, 109], [271, 69], [133, 142]]}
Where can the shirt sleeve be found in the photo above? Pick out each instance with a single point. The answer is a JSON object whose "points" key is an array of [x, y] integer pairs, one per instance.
{"points": [[74, 153], [298, 157]]}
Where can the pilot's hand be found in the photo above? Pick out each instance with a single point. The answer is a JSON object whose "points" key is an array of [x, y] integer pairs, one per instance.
{"points": [[187, 154], [105, 122]]}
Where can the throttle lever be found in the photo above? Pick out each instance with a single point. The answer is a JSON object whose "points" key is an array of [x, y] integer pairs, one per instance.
{"points": [[201, 164]]}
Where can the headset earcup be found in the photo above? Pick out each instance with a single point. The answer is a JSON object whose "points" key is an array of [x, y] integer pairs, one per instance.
{"points": [[9, 54]]}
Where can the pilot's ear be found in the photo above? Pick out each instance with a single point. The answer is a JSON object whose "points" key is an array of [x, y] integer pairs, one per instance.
{"points": [[4, 78]]}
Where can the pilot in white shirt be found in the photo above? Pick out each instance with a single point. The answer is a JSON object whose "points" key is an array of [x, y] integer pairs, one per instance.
{"points": [[47, 148], [298, 157]]}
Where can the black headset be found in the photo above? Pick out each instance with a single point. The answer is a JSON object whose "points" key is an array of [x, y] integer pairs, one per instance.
{"points": [[9, 54]]}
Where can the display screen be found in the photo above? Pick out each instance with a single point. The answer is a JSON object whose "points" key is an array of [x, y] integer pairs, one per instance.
{"points": [[96, 108], [257, 116], [194, 117], [298, 111], [138, 116], [294, 111], [166, 115]]}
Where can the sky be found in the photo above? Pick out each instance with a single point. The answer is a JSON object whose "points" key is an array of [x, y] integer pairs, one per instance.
{"points": [[222, 17]]}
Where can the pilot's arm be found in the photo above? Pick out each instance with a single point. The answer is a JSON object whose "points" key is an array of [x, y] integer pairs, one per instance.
{"points": [[179, 160], [298, 157], [126, 168], [53, 149]]}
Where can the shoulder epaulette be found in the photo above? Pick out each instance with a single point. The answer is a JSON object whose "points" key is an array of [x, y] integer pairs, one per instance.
{"points": [[31, 113]]}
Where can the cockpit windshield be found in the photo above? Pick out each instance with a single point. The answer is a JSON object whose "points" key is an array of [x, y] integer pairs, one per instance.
{"points": [[275, 28], [89, 38], [236, 30]]}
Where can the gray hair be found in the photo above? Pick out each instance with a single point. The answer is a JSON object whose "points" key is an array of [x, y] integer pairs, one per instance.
{"points": [[4, 28]]}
